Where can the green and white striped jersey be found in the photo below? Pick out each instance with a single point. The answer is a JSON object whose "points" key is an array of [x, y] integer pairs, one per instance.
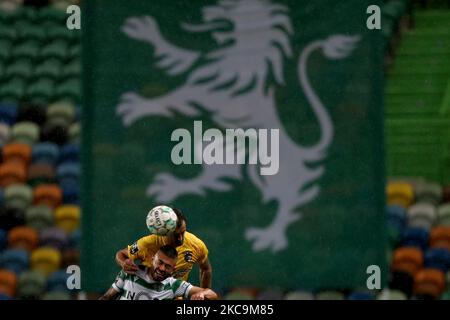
{"points": [[142, 287]]}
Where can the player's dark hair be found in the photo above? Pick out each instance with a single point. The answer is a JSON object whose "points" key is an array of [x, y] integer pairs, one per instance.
{"points": [[169, 251], [181, 217]]}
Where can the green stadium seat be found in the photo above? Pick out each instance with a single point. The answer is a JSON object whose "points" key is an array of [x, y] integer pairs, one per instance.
{"points": [[74, 132], [50, 68], [27, 49], [62, 113], [25, 132], [13, 90], [75, 51], [72, 69], [60, 33], [22, 68], [42, 90], [70, 88], [56, 49], [56, 295], [5, 50], [429, 192], [443, 213], [389, 294], [8, 32], [31, 285], [18, 196], [299, 295], [330, 295], [39, 217], [31, 31], [50, 14]]}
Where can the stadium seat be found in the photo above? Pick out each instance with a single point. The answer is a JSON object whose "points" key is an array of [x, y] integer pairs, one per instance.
{"points": [[11, 217], [330, 295], [70, 257], [400, 193], [48, 13], [443, 213], [408, 260], [67, 217], [396, 216], [50, 68], [75, 239], [74, 133], [17, 152], [57, 281], [70, 89], [437, 258], [62, 111], [8, 282], [270, 294], [56, 49], [41, 173], [15, 260], [53, 237], [39, 217], [415, 237], [56, 295], [18, 196], [45, 152], [23, 238], [20, 68], [3, 239], [25, 132], [54, 133], [8, 113], [5, 48], [31, 31], [429, 193], [32, 113], [27, 50], [12, 173], [48, 194], [46, 260], [429, 282], [361, 296], [69, 153], [72, 69], [71, 193], [388, 294], [4, 134], [421, 215], [68, 173], [14, 90], [440, 237], [31, 285], [42, 90]]}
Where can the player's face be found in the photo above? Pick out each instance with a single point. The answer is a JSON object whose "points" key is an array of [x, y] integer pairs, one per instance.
{"points": [[177, 237], [162, 266]]}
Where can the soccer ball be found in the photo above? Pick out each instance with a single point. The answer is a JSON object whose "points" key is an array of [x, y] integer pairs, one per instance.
{"points": [[161, 220]]}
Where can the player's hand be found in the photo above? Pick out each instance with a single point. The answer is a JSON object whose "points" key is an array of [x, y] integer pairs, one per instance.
{"points": [[198, 296], [129, 267]]}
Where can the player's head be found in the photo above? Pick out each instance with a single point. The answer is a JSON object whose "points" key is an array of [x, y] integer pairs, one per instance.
{"points": [[176, 238], [163, 263]]}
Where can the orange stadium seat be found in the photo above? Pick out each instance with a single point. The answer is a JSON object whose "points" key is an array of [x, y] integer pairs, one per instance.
{"points": [[23, 237], [429, 282], [49, 194], [407, 259], [17, 152], [440, 237], [8, 282], [400, 193], [12, 172]]}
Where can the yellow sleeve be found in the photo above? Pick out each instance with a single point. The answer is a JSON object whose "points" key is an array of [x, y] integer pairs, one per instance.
{"points": [[202, 252], [141, 249]]}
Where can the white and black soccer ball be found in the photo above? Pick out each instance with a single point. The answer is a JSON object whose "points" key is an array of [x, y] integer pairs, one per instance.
{"points": [[161, 220]]}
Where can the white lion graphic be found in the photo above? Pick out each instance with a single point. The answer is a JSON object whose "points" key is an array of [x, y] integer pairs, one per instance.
{"points": [[231, 82]]}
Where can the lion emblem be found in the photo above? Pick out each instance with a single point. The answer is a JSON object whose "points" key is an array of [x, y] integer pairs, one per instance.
{"points": [[231, 81]]}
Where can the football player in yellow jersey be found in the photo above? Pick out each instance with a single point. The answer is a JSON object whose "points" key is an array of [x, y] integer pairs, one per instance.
{"points": [[191, 250]]}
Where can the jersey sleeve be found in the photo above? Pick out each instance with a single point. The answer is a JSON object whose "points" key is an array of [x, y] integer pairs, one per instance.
{"points": [[181, 288], [140, 249], [202, 252], [119, 282]]}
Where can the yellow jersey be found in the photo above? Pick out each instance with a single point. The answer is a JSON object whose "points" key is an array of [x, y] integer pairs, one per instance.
{"points": [[192, 251]]}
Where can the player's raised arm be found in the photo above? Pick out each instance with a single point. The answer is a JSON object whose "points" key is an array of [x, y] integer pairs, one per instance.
{"points": [[125, 262], [197, 293]]}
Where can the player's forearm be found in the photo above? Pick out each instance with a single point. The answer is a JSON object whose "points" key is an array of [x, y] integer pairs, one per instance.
{"points": [[205, 278], [210, 295], [111, 294], [121, 256]]}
